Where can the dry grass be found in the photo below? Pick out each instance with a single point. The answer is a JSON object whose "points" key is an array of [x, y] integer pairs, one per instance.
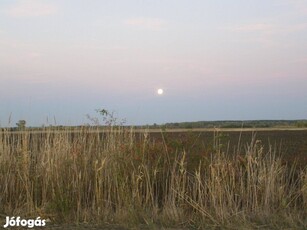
{"points": [[116, 177]]}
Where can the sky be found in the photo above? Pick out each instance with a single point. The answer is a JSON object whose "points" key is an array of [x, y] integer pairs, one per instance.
{"points": [[215, 60]]}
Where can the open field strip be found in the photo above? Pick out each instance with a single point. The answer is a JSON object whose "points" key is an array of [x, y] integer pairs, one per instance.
{"points": [[171, 130]]}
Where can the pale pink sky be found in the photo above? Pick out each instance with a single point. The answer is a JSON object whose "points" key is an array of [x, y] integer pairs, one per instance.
{"points": [[215, 60]]}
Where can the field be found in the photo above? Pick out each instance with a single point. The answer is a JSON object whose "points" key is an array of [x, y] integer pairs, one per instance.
{"points": [[290, 143], [159, 179]]}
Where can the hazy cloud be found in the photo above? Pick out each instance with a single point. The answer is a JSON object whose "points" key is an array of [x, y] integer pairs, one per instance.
{"points": [[296, 27], [146, 23], [31, 8], [270, 28], [253, 27]]}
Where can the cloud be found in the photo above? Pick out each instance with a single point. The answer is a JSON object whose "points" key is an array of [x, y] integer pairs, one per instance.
{"points": [[260, 33], [295, 27], [31, 8], [146, 23], [34, 55], [266, 29], [253, 27]]}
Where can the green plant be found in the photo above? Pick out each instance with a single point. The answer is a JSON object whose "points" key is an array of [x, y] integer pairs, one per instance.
{"points": [[21, 124]]}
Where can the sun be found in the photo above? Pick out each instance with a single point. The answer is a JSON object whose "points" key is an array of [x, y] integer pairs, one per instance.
{"points": [[160, 91]]}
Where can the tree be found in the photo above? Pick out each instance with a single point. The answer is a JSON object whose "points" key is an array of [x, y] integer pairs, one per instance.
{"points": [[108, 118], [21, 124]]}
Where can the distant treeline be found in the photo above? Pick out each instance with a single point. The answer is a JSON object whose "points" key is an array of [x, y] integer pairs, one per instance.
{"points": [[238, 124]]}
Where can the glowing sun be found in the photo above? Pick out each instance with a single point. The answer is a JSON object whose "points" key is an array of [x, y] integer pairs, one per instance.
{"points": [[160, 91]]}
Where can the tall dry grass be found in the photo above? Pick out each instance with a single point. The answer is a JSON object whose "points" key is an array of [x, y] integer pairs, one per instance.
{"points": [[123, 177]]}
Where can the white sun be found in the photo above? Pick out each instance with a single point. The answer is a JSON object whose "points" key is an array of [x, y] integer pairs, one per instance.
{"points": [[160, 91]]}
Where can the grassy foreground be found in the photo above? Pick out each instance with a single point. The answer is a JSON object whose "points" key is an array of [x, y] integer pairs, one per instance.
{"points": [[120, 177]]}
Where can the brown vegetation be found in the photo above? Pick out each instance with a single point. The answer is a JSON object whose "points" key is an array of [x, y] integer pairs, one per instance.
{"points": [[120, 177]]}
